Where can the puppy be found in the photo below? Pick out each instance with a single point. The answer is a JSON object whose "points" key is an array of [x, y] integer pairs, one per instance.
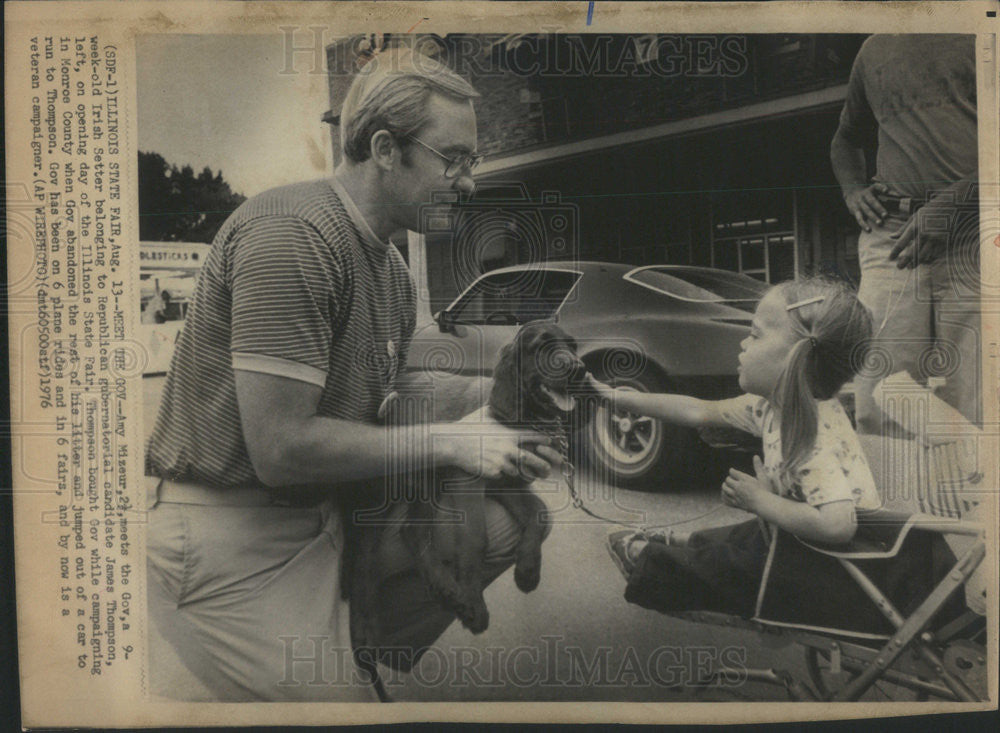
{"points": [[532, 386]]}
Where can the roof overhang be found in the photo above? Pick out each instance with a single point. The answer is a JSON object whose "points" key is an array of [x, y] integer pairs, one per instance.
{"points": [[783, 106]]}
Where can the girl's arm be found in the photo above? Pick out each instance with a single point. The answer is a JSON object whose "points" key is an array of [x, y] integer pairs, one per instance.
{"points": [[674, 408], [833, 524], [828, 524]]}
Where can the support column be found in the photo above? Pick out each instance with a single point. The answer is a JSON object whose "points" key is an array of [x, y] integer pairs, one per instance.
{"points": [[417, 244]]}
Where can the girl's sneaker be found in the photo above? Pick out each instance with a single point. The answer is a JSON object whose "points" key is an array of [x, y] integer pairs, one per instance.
{"points": [[663, 536], [618, 543], [620, 546]]}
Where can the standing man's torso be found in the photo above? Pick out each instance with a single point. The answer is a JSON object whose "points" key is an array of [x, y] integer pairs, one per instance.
{"points": [[921, 93]]}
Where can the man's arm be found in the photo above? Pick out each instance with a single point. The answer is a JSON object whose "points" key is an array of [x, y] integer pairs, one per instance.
{"points": [[933, 229], [290, 444], [847, 150], [850, 168]]}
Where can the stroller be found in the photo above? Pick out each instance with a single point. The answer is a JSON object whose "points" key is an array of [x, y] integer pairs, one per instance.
{"points": [[930, 642], [934, 659]]}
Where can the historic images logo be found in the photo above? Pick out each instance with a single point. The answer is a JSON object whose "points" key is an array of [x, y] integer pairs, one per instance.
{"points": [[312, 50]]}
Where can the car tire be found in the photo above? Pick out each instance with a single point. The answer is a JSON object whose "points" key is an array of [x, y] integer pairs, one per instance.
{"points": [[635, 451]]}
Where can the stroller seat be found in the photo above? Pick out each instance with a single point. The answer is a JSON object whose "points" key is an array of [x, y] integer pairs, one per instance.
{"points": [[893, 612]]}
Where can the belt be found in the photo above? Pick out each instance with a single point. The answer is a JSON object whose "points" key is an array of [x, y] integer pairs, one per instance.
{"points": [[905, 205], [185, 492]]}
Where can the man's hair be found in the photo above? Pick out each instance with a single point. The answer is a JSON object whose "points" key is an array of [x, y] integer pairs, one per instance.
{"points": [[390, 93]]}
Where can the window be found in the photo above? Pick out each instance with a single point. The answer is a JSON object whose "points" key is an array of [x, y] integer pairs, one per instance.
{"points": [[702, 286], [754, 234], [515, 297]]}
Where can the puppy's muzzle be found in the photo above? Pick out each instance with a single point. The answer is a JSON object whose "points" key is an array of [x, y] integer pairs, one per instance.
{"points": [[562, 389]]}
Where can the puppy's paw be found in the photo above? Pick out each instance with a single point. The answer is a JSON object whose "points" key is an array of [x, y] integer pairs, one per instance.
{"points": [[527, 575], [474, 614]]}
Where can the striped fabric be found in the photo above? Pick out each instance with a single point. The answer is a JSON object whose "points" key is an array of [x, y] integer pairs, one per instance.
{"points": [[295, 286]]}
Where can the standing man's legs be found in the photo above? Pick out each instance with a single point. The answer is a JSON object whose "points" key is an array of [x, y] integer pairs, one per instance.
{"points": [[955, 288], [902, 315]]}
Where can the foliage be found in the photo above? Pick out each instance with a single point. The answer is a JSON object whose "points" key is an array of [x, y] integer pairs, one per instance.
{"points": [[176, 205]]}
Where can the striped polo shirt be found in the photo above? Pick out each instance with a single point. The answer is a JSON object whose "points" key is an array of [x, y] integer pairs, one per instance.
{"points": [[297, 285]]}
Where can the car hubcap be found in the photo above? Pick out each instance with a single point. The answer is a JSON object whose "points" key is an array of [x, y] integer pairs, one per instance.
{"points": [[628, 440]]}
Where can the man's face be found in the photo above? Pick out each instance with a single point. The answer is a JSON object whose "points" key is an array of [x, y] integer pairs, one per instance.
{"points": [[451, 131]]}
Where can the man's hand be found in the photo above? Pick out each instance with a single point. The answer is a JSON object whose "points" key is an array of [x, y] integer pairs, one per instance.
{"points": [[925, 236], [481, 446], [864, 205], [741, 490]]}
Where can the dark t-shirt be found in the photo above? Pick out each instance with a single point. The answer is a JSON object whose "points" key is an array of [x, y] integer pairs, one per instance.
{"points": [[919, 91]]}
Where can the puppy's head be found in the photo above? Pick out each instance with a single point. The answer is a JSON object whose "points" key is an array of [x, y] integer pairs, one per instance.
{"points": [[535, 376]]}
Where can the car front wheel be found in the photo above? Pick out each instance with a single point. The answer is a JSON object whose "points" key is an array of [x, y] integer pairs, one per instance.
{"points": [[636, 451]]}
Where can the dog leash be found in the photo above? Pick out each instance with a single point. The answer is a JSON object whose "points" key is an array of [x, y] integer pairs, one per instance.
{"points": [[568, 471]]}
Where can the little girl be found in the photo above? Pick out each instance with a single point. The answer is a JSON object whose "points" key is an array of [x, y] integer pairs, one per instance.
{"points": [[806, 341]]}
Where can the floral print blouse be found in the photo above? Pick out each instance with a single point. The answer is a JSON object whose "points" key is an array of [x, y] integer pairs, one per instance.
{"points": [[836, 469]]}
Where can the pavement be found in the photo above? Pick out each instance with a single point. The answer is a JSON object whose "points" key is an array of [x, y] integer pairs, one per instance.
{"points": [[575, 638]]}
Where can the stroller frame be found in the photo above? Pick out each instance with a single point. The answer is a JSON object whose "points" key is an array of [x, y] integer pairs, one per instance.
{"points": [[950, 665]]}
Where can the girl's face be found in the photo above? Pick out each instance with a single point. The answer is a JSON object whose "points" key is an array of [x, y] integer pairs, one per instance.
{"points": [[765, 351]]}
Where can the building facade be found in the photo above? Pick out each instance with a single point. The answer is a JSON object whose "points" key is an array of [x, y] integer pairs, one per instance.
{"points": [[645, 149]]}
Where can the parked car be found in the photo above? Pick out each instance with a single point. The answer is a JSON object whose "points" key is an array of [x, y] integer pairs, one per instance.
{"points": [[655, 328]]}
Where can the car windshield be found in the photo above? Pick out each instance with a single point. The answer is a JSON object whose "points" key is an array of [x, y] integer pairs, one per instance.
{"points": [[514, 298], [703, 286]]}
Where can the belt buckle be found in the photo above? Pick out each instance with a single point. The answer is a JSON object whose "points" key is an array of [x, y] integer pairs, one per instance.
{"points": [[892, 203]]}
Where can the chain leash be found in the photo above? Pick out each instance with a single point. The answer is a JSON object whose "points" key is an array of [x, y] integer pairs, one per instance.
{"points": [[568, 471]]}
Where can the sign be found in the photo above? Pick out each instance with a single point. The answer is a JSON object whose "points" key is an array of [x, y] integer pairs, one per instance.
{"points": [[172, 255]]}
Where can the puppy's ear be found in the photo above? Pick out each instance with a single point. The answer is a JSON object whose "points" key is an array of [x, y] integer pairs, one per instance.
{"points": [[568, 340], [505, 383], [536, 335], [506, 356]]}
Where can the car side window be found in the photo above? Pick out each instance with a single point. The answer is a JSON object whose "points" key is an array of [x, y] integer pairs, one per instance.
{"points": [[514, 298], [701, 286]]}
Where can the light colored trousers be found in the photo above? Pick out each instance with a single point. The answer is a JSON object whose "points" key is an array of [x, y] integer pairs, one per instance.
{"points": [[245, 602], [927, 322]]}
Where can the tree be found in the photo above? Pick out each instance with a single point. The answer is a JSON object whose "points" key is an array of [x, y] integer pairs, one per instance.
{"points": [[175, 205]]}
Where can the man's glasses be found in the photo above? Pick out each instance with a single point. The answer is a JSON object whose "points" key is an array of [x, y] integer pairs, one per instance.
{"points": [[464, 162]]}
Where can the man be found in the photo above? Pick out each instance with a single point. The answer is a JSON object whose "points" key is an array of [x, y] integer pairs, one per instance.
{"points": [[918, 247], [302, 315]]}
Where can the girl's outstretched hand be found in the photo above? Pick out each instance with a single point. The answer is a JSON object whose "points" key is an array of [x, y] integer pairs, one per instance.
{"points": [[600, 389], [741, 490]]}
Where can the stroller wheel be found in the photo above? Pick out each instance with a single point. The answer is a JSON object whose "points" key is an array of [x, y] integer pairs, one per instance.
{"points": [[815, 669], [909, 679], [967, 660], [827, 681]]}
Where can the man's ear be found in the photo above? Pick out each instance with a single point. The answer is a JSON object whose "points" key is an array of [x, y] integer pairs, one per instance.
{"points": [[384, 150]]}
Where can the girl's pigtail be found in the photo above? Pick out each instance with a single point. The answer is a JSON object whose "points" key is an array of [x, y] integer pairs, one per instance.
{"points": [[797, 406]]}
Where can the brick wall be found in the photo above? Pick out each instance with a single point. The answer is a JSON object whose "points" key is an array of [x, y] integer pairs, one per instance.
{"points": [[504, 122], [599, 88], [520, 112]]}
